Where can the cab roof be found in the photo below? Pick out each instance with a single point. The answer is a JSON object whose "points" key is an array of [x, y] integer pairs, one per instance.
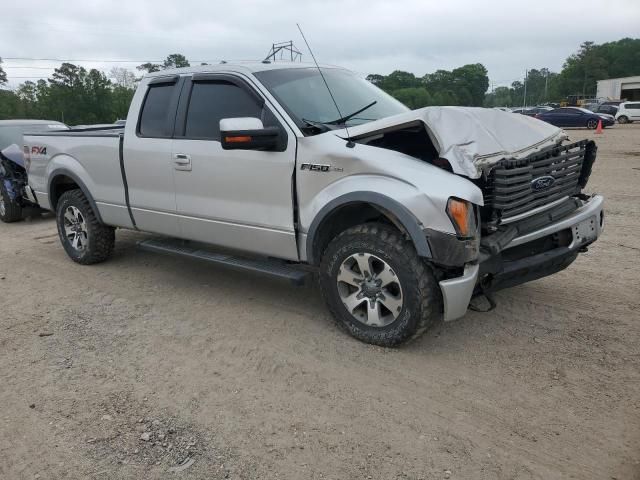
{"points": [[238, 66]]}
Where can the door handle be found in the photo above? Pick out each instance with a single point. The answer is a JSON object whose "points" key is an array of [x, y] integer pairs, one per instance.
{"points": [[182, 159]]}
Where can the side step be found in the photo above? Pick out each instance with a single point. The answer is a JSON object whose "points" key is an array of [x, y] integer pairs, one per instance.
{"points": [[264, 266]]}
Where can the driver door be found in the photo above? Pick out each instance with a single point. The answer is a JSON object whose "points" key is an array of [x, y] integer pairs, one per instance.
{"points": [[241, 199]]}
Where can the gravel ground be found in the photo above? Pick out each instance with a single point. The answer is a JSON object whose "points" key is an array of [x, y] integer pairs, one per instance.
{"points": [[157, 367]]}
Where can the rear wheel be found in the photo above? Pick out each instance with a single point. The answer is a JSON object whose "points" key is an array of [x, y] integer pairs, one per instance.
{"points": [[623, 119], [592, 124], [377, 287], [10, 211], [83, 237]]}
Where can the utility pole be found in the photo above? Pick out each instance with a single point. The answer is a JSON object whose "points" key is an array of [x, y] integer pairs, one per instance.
{"points": [[546, 84], [524, 99]]}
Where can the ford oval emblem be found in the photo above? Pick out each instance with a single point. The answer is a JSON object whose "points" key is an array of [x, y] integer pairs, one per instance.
{"points": [[542, 183]]}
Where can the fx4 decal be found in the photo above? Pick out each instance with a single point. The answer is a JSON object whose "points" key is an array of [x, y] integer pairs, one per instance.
{"points": [[35, 150]]}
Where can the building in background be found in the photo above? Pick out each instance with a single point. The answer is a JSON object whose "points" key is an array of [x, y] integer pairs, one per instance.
{"points": [[627, 88]]}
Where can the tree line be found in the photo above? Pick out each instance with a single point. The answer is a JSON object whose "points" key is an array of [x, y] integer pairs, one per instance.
{"points": [[76, 95]]}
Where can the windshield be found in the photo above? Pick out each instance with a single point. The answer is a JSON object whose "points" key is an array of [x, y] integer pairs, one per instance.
{"points": [[302, 92]]}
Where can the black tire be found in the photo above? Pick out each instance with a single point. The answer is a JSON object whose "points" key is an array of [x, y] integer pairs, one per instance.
{"points": [[592, 124], [99, 239], [10, 211], [623, 119], [421, 296]]}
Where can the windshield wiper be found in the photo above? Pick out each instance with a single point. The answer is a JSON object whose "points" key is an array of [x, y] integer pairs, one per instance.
{"points": [[342, 120], [322, 126]]}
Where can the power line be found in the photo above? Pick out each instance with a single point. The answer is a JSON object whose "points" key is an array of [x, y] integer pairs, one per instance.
{"points": [[25, 66], [92, 60]]}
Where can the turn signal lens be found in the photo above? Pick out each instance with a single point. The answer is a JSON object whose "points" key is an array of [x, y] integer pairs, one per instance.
{"points": [[238, 139], [461, 214]]}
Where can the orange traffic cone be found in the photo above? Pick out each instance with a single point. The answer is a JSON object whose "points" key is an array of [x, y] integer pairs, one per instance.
{"points": [[599, 129]]}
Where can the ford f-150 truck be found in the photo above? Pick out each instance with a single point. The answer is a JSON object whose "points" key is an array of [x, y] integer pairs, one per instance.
{"points": [[404, 215]]}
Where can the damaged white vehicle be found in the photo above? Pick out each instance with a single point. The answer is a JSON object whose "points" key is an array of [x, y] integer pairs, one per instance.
{"points": [[404, 215]]}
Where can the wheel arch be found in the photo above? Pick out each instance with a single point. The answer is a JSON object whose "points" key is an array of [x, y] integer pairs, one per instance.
{"points": [[359, 207], [62, 180]]}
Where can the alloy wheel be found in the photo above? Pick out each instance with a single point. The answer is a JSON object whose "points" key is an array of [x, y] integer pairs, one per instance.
{"points": [[75, 228], [370, 290]]}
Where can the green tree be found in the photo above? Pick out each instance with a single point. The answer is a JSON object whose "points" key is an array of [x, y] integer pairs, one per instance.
{"points": [[10, 106], [471, 83], [500, 97], [176, 60], [3, 74], [399, 79], [149, 67], [376, 79], [413, 97]]}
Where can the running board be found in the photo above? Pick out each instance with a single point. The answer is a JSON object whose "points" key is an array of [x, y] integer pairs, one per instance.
{"points": [[264, 266]]}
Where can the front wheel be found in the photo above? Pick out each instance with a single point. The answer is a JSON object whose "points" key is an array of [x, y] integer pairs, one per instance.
{"points": [[623, 119], [10, 211], [84, 238], [377, 287], [592, 124]]}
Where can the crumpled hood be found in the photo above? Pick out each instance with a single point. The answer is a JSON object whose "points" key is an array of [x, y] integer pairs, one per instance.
{"points": [[472, 139], [14, 153]]}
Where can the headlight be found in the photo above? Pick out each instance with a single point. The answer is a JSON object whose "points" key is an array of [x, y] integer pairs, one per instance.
{"points": [[462, 216]]}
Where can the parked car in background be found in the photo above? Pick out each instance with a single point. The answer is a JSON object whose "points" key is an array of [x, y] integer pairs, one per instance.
{"points": [[628, 112], [540, 109], [15, 194], [608, 109], [575, 117], [532, 111]]}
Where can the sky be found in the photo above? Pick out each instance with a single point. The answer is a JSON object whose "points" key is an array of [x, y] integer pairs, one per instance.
{"points": [[372, 36]]}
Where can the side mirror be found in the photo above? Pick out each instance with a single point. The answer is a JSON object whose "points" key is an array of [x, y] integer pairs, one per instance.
{"points": [[248, 133]]}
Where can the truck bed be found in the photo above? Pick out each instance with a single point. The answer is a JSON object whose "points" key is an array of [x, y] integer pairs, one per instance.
{"points": [[91, 157]]}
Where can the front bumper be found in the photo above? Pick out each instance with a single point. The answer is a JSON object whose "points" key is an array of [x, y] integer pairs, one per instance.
{"points": [[584, 227]]}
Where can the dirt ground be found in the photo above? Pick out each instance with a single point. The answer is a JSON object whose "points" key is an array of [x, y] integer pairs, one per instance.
{"points": [[156, 367]]}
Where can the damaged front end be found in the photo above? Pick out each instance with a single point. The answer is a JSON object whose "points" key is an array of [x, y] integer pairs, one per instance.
{"points": [[534, 219], [15, 185]]}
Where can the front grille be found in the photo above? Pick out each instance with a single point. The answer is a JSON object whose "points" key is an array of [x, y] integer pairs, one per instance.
{"points": [[508, 190]]}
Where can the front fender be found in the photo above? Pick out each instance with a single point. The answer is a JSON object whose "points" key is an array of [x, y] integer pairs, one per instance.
{"points": [[382, 202]]}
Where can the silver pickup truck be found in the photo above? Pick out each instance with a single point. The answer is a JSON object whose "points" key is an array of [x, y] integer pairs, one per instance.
{"points": [[404, 215]]}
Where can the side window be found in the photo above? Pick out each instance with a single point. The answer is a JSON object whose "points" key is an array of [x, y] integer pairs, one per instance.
{"points": [[633, 106], [212, 101], [154, 118]]}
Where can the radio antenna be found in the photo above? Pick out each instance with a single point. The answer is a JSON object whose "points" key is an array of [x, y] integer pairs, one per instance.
{"points": [[350, 143]]}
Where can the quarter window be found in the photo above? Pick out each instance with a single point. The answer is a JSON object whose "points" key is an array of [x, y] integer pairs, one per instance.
{"points": [[154, 119]]}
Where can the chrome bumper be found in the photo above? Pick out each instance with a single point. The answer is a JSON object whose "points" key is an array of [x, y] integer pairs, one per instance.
{"points": [[586, 225]]}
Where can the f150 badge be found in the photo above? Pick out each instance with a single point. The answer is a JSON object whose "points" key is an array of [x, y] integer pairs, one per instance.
{"points": [[316, 167], [542, 183]]}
